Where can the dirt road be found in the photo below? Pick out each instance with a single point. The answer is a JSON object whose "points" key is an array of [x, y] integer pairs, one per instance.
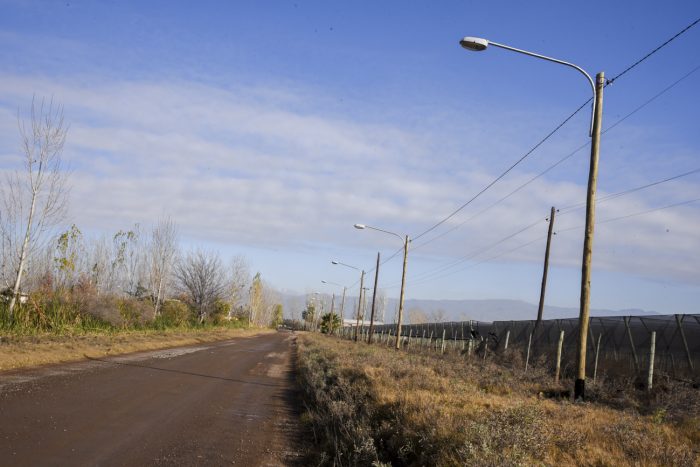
{"points": [[228, 403]]}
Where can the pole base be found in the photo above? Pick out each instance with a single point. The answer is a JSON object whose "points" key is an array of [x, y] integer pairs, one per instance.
{"points": [[579, 390]]}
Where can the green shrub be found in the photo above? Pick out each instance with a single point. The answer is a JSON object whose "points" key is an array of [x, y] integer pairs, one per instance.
{"points": [[173, 313]]}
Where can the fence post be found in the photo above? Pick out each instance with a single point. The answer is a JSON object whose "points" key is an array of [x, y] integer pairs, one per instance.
{"points": [[505, 346], [652, 350], [629, 336], [408, 343], [442, 347], [559, 346], [679, 322], [527, 358], [597, 352]]}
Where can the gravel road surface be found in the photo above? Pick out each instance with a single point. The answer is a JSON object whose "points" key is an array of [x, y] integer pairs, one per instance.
{"points": [[227, 403]]}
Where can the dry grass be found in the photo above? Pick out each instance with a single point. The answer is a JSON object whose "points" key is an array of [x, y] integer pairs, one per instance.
{"points": [[26, 351], [369, 404]]}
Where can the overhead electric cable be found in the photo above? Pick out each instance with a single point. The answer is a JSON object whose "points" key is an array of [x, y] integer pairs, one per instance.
{"points": [[557, 128], [635, 64], [549, 135], [602, 199], [613, 219], [568, 156]]}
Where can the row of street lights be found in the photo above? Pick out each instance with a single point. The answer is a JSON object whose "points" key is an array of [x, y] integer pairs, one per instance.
{"points": [[479, 44]]}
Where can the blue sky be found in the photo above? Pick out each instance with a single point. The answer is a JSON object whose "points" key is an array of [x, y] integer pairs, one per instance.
{"points": [[270, 130]]}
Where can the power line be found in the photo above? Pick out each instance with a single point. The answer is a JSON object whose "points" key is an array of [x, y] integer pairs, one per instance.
{"points": [[635, 64], [557, 128], [640, 213], [474, 254], [574, 207], [563, 211], [568, 156], [605, 221], [550, 134], [503, 174]]}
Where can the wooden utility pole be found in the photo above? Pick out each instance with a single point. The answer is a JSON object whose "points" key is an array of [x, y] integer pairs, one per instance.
{"points": [[359, 303], [540, 309], [652, 353], [679, 323], [580, 383], [403, 286], [331, 321], [374, 298], [342, 307]]}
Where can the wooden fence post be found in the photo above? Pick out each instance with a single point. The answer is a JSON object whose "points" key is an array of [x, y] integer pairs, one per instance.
{"points": [[442, 349], [505, 346], [629, 336], [527, 358], [679, 322], [559, 346], [652, 350], [597, 352], [408, 343]]}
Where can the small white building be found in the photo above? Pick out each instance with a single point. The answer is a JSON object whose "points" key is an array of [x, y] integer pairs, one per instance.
{"points": [[353, 322]]}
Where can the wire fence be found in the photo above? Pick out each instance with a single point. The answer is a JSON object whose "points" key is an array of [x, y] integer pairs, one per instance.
{"points": [[616, 345]]}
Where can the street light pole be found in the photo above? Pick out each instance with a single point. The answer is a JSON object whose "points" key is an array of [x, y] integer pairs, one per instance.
{"points": [[359, 302], [580, 384], [401, 296], [374, 299], [342, 303], [478, 44], [405, 241]]}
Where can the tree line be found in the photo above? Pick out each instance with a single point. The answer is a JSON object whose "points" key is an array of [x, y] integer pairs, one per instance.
{"points": [[134, 277]]}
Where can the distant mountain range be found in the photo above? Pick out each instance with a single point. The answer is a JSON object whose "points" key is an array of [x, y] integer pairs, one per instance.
{"points": [[462, 310]]}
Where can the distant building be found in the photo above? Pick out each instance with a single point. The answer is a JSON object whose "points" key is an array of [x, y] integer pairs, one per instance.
{"points": [[353, 322]]}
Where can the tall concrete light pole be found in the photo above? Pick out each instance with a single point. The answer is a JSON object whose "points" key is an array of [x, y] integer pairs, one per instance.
{"points": [[342, 303], [362, 283], [406, 240], [478, 44]]}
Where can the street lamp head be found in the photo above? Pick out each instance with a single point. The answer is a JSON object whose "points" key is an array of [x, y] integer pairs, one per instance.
{"points": [[360, 226], [475, 44], [324, 282], [334, 262]]}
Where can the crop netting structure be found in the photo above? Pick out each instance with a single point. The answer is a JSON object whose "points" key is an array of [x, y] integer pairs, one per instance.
{"points": [[616, 344]]}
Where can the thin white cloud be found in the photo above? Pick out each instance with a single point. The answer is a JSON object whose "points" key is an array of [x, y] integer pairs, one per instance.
{"points": [[268, 167]]}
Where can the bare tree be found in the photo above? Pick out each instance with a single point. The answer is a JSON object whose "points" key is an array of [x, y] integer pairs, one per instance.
{"points": [[202, 278], [99, 265], [162, 252], [417, 316], [438, 316], [240, 280], [33, 200]]}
